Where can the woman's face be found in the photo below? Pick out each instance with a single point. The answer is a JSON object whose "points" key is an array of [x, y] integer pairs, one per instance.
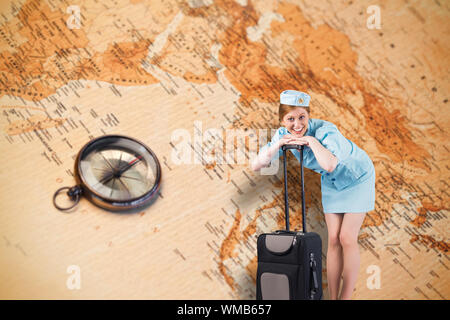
{"points": [[296, 121]]}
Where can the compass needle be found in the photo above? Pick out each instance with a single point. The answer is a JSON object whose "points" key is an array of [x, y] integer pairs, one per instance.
{"points": [[120, 160], [126, 188], [107, 161], [112, 188]]}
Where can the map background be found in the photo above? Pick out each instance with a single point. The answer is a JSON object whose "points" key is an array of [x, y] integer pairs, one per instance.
{"points": [[205, 249]]}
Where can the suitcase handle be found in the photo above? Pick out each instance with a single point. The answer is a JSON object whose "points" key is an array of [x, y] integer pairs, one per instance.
{"points": [[286, 231], [286, 201]]}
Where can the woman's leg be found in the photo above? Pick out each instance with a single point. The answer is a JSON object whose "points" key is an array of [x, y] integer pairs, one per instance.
{"points": [[334, 253], [348, 238]]}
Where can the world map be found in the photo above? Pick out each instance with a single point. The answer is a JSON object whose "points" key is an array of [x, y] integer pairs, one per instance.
{"points": [[198, 82]]}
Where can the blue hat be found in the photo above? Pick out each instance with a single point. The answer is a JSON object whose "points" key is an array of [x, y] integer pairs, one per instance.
{"points": [[295, 98]]}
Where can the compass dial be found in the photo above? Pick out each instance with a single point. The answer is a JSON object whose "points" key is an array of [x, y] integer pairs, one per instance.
{"points": [[117, 174], [118, 171]]}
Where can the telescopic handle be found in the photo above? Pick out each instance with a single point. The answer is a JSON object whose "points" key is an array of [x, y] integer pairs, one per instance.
{"points": [[286, 200]]}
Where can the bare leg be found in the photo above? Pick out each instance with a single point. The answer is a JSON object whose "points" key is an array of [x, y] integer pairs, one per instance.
{"points": [[348, 237], [334, 253]]}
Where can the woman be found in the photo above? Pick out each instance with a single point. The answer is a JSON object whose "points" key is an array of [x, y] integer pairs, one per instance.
{"points": [[347, 183]]}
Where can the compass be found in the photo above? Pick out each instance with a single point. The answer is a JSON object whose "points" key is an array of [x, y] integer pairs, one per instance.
{"points": [[114, 172]]}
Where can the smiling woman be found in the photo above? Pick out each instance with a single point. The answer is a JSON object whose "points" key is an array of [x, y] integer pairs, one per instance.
{"points": [[347, 182]]}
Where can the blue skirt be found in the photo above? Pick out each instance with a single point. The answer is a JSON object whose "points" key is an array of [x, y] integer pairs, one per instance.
{"points": [[358, 197]]}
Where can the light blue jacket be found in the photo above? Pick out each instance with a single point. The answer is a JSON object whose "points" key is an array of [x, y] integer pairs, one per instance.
{"points": [[353, 163]]}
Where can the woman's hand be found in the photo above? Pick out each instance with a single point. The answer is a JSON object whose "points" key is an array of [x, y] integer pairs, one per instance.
{"points": [[290, 139], [325, 158]]}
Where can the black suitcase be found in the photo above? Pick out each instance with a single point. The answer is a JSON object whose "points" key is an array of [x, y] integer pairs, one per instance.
{"points": [[289, 262]]}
